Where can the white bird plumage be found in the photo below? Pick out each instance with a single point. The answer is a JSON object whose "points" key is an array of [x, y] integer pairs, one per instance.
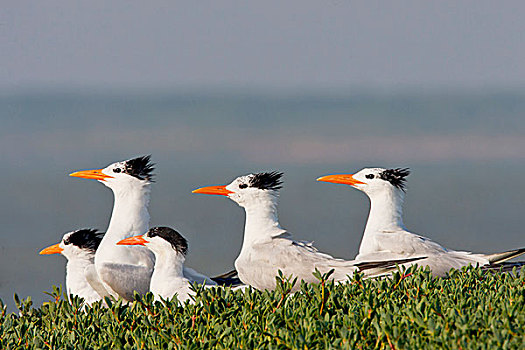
{"points": [[385, 236], [125, 269], [268, 248], [79, 249], [170, 250]]}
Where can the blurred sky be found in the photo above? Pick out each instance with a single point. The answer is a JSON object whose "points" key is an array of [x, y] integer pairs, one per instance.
{"points": [[216, 89], [267, 44]]}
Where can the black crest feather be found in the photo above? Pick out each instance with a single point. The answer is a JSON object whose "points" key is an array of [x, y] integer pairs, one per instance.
{"points": [[397, 177], [179, 243], [267, 181], [88, 239], [140, 167]]}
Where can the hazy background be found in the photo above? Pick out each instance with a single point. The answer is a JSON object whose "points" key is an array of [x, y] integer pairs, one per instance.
{"points": [[217, 89]]}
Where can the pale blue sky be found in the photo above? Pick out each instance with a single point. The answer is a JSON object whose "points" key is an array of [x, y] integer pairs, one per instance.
{"points": [[306, 44]]}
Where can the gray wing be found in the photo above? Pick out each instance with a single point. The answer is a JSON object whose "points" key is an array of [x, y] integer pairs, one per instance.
{"points": [[92, 277], [294, 258], [399, 244], [125, 279], [300, 259]]}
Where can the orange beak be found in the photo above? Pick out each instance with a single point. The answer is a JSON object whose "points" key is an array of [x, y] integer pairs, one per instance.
{"points": [[346, 179], [216, 190], [136, 240], [95, 174], [54, 249]]}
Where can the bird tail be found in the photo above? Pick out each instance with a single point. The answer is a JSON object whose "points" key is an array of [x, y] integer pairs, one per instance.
{"points": [[498, 258], [504, 267], [366, 265], [228, 279], [384, 267]]}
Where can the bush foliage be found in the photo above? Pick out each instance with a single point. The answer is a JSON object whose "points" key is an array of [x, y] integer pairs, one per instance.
{"points": [[413, 310]]}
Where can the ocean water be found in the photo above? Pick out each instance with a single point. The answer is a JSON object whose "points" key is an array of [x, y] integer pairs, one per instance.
{"points": [[466, 151]]}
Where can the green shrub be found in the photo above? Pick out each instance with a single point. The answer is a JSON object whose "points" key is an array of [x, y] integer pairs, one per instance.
{"points": [[468, 310]]}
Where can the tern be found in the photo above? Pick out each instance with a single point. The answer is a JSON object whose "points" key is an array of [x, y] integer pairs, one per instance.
{"points": [[125, 269], [170, 250], [79, 248], [385, 235], [268, 248]]}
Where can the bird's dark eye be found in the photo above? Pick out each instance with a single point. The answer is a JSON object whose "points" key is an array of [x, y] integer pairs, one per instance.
{"points": [[369, 176], [243, 185], [66, 242], [117, 170]]}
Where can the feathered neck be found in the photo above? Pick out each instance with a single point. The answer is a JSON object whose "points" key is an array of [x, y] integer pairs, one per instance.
{"points": [[130, 212], [76, 282], [168, 263], [386, 215], [168, 274], [130, 217], [262, 221]]}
